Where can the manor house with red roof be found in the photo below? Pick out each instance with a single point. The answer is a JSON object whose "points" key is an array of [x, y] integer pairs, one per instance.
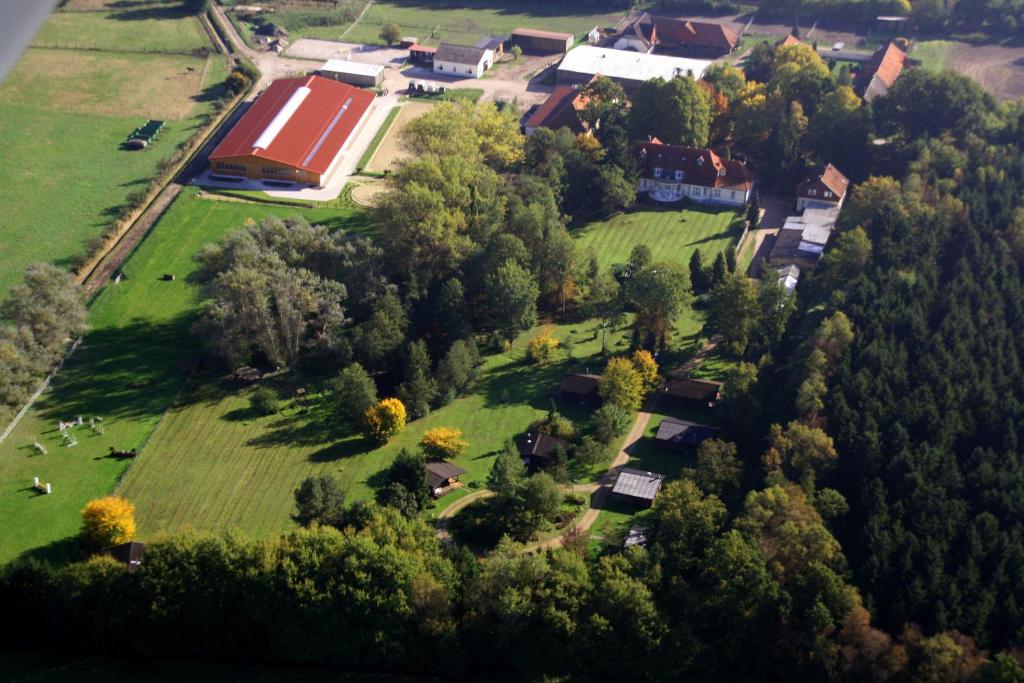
{"points": [[669, 173]]}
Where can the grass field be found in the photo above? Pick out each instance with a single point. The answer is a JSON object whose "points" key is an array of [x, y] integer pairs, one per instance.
{"points": [[128, 371], [63, 116], [212, 465], [137, 26], [671, 235], [462, 22], [933, 54]]}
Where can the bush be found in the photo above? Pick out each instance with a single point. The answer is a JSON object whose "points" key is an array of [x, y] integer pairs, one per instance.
{"points": [[574, 499], [263, 401], [542, 347]]}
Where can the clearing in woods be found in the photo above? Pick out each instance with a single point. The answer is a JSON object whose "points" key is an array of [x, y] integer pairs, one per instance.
{"points": [[64, 115], [127, 371]]}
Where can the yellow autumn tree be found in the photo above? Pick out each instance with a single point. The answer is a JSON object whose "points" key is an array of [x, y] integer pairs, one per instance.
{"points": [[542, 347], [645, 364], [621, 384], [385, 420], [443, 442], [108, 521]]}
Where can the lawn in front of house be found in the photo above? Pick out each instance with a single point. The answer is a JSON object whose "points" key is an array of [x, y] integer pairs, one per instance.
{"points": [[672, 235], [128, 371]]}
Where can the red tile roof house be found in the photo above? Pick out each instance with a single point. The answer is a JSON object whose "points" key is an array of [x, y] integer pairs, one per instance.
{"points": [[294, 132], [824, 189], [560, 110], [669, 35], [669, 173], [881, 71]]}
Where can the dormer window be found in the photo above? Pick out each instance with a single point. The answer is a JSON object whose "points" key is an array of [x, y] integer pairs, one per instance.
{"points": [[813, 193], [828, 194], [679, 175], [657, 172]]}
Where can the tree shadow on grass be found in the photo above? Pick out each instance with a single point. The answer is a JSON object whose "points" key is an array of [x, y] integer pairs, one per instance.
{"points": [[61, 551], [523, 383], [131, 371], [142, 11], [341, 450]]}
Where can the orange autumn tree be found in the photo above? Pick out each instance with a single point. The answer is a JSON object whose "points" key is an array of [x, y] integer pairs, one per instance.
{"points": [[108, 521]]}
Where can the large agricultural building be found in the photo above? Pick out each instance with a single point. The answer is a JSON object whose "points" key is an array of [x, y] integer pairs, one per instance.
{"points": [[353, 73], [294, 132], [629, 69]]}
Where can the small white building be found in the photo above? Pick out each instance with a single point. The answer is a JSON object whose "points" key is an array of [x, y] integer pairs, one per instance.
{"points": [[459, 60], [353, 73]]}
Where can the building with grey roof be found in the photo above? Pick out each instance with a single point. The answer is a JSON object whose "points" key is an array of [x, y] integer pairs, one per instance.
{"points": [[462, 61], [637, 487]]}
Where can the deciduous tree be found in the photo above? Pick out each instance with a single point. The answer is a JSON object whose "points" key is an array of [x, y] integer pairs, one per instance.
{"points": [[108, 521], [385, 420], [441, 443]]}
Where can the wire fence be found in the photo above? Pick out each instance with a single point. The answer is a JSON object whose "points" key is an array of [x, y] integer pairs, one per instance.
{"points": [[28, 405], [194, 52]]}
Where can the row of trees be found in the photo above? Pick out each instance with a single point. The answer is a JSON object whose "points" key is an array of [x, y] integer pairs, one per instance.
{"points": [[753, 592], [39, 317]]}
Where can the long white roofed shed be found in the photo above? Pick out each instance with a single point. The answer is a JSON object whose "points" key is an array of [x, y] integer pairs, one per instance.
{"points": [[626, 67], [353, 73]]}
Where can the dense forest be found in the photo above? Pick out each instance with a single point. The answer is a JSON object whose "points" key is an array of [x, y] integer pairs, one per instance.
{"points": [[927, 408]]}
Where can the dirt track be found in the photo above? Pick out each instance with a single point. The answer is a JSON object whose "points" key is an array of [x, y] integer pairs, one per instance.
{"points": [[390, 153]]}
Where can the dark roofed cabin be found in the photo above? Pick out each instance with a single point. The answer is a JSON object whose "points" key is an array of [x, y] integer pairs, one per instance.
{"points": [[128, 554], [680, 435], [443, 477], [581, 387], [700, 391], [536, 448]]}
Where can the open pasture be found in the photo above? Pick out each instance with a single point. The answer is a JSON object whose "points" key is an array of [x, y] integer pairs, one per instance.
{"points": [[128, 371], [135, 26], [64, 115], [459, 22]]}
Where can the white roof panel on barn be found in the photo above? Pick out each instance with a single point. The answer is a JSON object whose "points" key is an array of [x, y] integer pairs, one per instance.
{"points": [[629, 65], [344, 66]]}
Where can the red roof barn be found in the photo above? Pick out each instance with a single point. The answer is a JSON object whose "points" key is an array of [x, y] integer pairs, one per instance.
{"points": [[294, 132]]}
